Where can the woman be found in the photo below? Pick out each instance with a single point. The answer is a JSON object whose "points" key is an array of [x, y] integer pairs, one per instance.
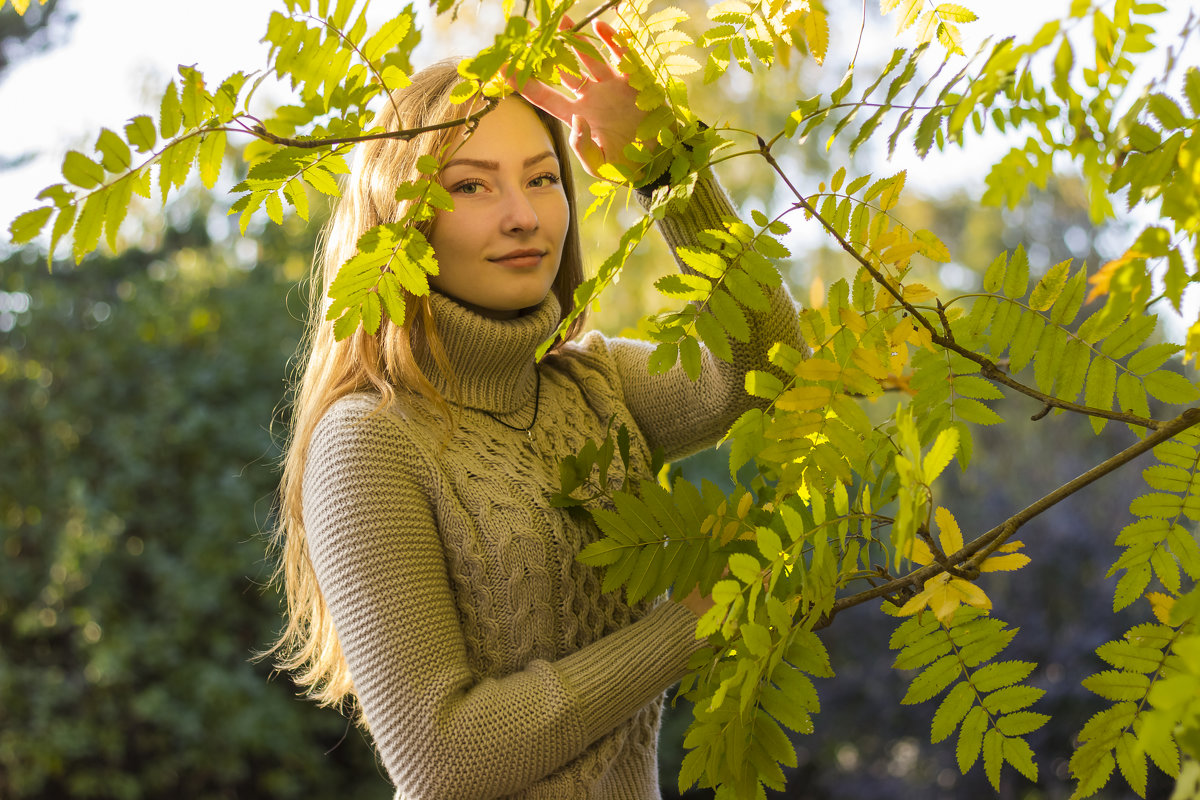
{"points": [[427, 577]]}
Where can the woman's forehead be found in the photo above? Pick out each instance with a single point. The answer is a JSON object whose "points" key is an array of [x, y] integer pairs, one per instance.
{"points": [[510, 133]]}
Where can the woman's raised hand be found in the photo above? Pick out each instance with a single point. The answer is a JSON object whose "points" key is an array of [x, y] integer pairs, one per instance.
{"points": [[602, 114]]}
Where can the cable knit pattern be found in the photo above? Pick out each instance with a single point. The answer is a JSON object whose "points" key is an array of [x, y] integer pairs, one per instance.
{"points": [[485, 657]]}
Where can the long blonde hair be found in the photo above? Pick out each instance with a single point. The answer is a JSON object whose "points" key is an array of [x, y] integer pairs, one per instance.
{"points": [[383, 362]]}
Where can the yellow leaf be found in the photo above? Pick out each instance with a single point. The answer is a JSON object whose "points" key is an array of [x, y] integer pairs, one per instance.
{"points": [[816, 34], [816, 293], [818, 369], [1103, 278], [928, 28], [1161, 604], [870, 362], [1009, 563], [949, 534], [790, 428], [853, 320], [918, 552], [744, 505], [1192, 346], [912, 10], [804, 398], [918, 292]]}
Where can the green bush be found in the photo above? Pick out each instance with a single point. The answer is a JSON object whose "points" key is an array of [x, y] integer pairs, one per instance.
{"points": [[137, 478]]}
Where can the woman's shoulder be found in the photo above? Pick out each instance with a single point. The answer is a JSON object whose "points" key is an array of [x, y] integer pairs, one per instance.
{"points": [[364, 424]]}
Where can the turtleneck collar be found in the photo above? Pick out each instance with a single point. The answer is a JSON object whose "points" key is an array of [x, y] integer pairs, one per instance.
{"points": [[492, 359]]}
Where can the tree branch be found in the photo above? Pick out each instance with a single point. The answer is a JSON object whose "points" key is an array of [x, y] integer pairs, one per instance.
{"points": [[583, 23], [979, 549], [403, 135]]}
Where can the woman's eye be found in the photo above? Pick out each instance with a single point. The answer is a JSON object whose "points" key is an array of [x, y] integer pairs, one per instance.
{"points": [[543, 181], [469, 187]]}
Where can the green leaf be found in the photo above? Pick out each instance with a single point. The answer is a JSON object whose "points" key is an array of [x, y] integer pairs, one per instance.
{"points": [[62, 224], [1131, 656], [746, 290], [389, 35], [730, 315], [1025, 341], [745, 568], [1021, 723], [933, 680], [1131, 396], [704, 262], [170, 116], [663, 358], [89, 226], [993, 278], [116, 206], [347, 323], [1131, 759], [1050, 287], [1016, 277], [1001, 674], [1118, 685], [1011, 698], [1170, 387], [28, 225], [1151, 358], [953, 709], [1018, 753], [1071, 300], [684, 286], [113, 151], [1129, 336], [689, 356], [974, 411], [1169, 115], [970, 738], [391, 295], [141, 133], [81, 170], [212, 155], [993, 756], [713, 335], [1101, 385]]}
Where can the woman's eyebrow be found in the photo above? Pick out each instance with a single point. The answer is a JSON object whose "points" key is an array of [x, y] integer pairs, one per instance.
{"points": [[495, 165]]}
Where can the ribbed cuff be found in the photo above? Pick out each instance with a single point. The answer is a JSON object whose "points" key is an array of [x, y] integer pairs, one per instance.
{"points": [[633, 666], [705, 209]]}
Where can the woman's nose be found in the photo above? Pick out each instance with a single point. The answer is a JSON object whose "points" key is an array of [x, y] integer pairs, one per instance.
{"points": [[519, 214]]}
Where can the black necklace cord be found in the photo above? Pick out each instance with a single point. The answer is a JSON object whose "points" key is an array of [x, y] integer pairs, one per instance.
{"points": [[537, 400]]}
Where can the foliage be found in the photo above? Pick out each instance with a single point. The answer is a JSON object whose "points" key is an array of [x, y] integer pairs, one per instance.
{"points": [[136, 474], [827, 498]]}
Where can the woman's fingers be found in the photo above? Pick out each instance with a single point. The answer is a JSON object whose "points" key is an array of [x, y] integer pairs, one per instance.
{"points": [[609, 35], [550, 101], [590, 154]]}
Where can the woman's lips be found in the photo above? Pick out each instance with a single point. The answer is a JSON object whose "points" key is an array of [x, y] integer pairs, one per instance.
{"points": [[519, 259]]}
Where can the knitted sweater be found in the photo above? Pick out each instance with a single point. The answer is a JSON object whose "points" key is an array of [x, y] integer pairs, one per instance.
{"points": [[485, 657]]}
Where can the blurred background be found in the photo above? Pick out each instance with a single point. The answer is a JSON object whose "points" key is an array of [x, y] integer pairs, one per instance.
{"points": [[142, 406]]}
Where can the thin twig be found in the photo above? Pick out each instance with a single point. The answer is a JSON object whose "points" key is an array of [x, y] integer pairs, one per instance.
{"points": [[583, 23], [972, 556], [403, 135], [987, 367]]}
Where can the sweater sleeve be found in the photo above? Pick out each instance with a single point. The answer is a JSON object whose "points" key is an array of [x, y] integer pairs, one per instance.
{"points": [[674, 412], [379, 562]]}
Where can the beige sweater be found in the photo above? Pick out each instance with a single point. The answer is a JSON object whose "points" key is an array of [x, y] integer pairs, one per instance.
{"points": [[486, 659]]}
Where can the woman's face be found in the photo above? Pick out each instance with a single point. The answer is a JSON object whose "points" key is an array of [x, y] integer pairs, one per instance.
{"points": [[498, 251]]}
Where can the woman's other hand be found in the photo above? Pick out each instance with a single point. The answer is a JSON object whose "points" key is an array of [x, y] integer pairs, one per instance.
{"points": [[601, 109], [697, 603]]}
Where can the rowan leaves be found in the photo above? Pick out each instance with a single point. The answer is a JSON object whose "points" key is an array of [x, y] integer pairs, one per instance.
{"points": [[835, 470]]}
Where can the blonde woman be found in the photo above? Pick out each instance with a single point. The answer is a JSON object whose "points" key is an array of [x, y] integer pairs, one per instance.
{"points": [[428, 579]]}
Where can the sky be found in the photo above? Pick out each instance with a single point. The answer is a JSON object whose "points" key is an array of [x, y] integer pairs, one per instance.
{"points": [[120, 53]]}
